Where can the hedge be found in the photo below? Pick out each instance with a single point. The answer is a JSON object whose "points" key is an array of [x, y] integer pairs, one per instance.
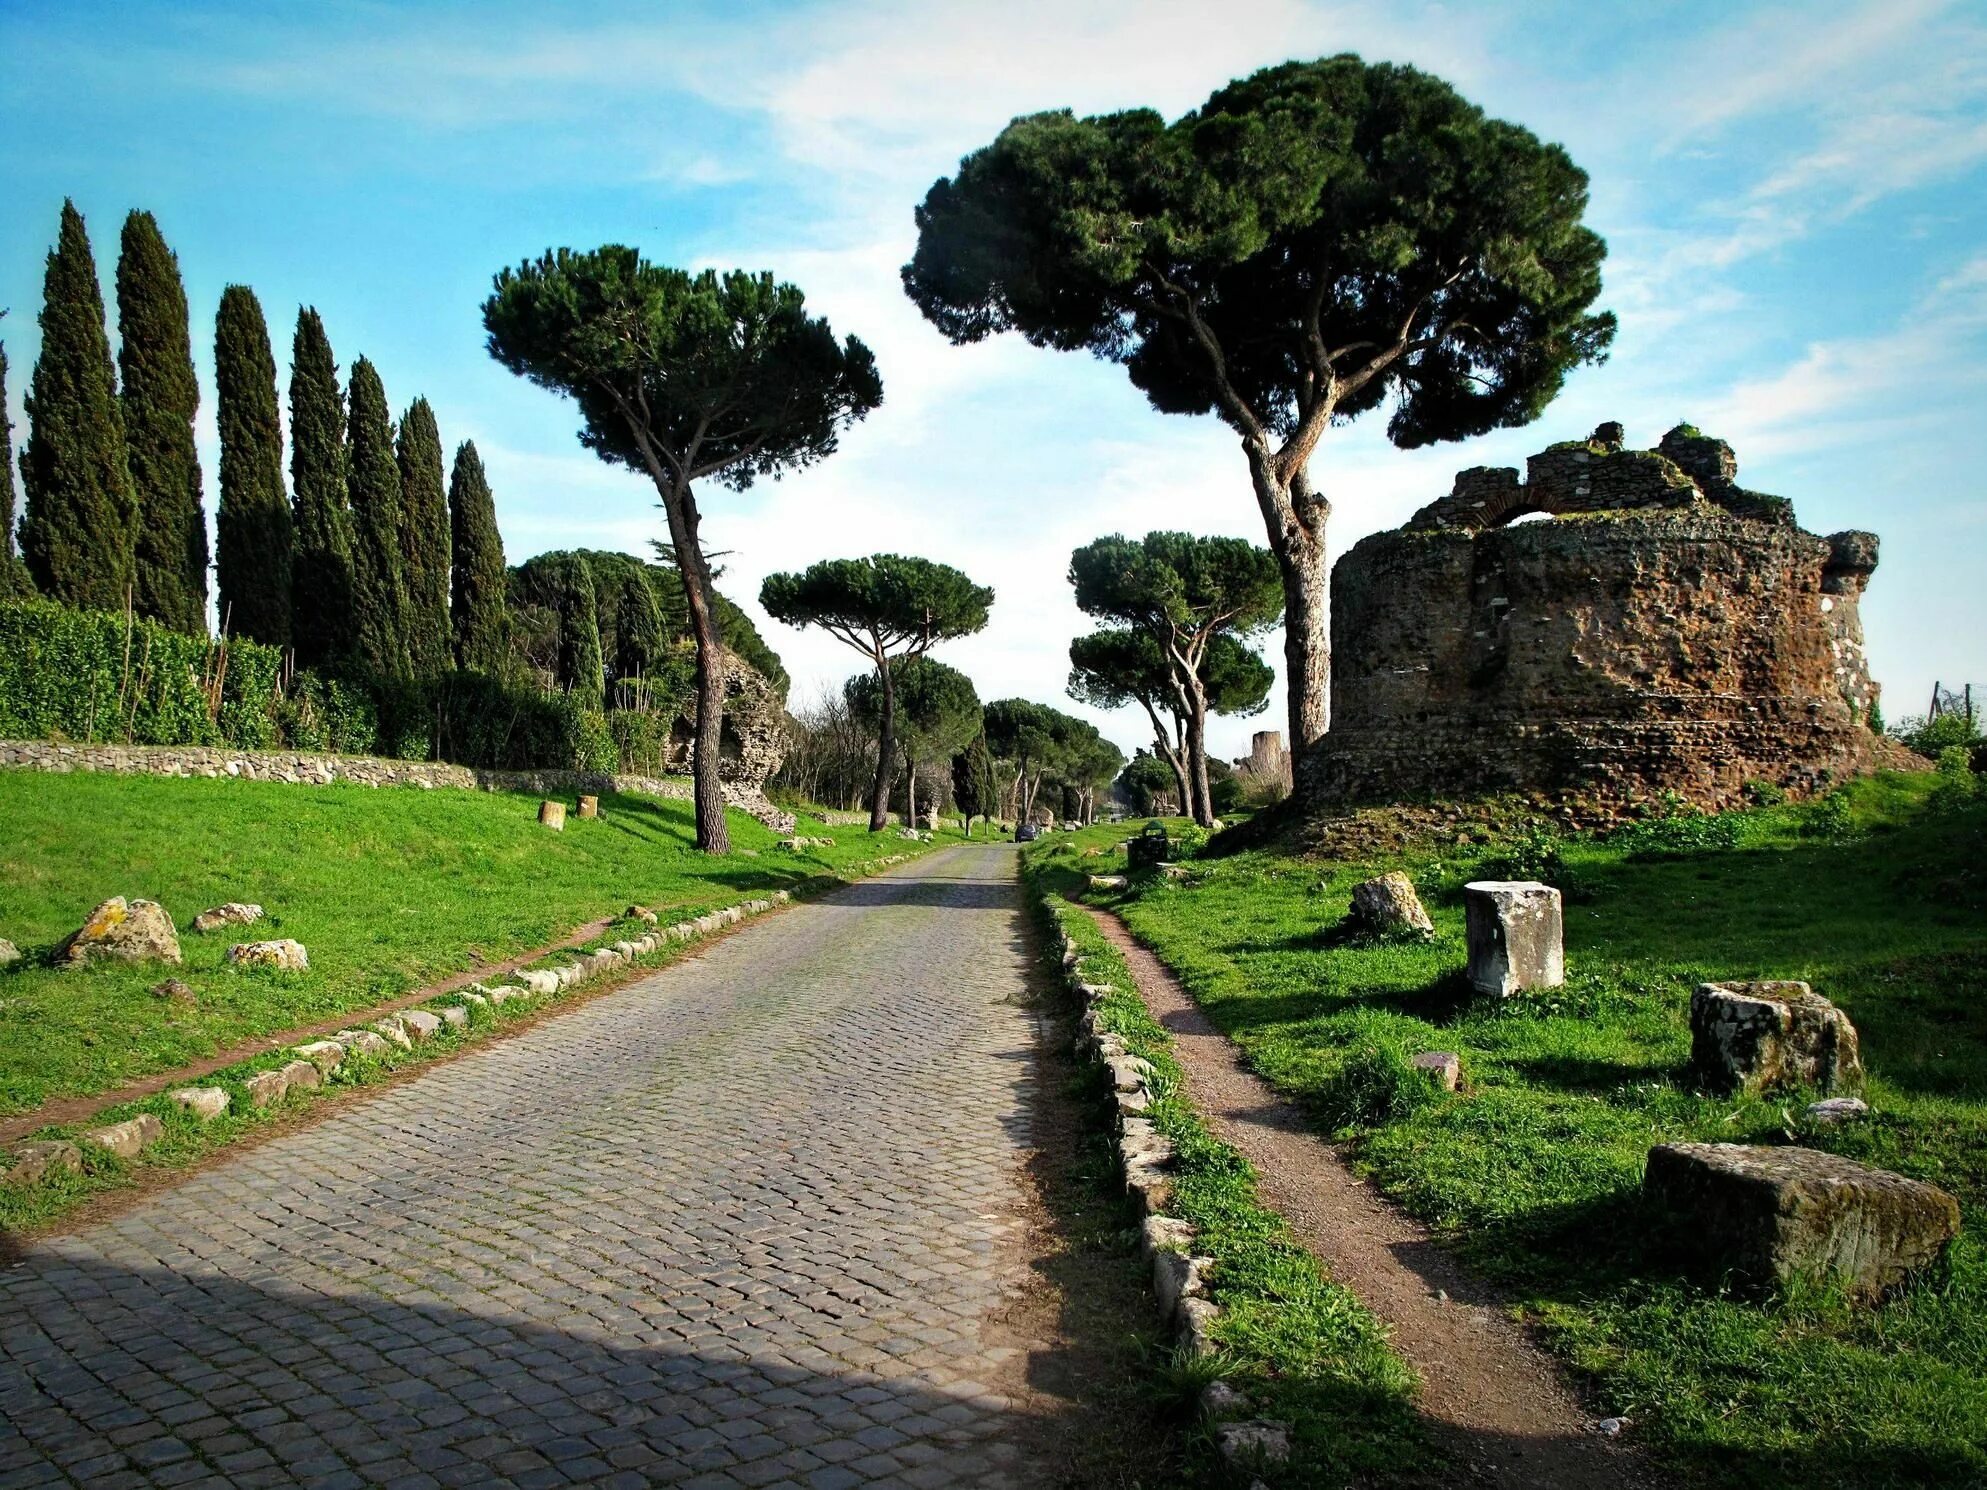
{"points": [[93, 676], [96, 675]]}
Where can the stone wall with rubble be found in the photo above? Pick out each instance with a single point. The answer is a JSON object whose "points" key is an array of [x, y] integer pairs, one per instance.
{"points": [[1660, 629]]}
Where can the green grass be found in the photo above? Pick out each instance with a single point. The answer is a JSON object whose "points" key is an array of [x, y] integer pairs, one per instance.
{"points": [[1877, 896], [389, 889], [1301, 1347]]}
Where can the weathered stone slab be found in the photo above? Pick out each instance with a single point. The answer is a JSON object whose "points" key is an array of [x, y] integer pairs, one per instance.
{"points": [[234, 913], [540, 980], [419, 1023], [204, 1102], [129, 1138], [1444, 1065], [1176, 1277], [8, 952], [456, 1017], [1778, 1214], [1388, 906], [47, 1156], [364, 1042], [394, 1032], [122, 931], [1833, 1110], [285, 954], [1197, 1320], [301, 1076], [1108, 882], [266, 1087], [1516, 936], [553, 815], [1763, 1037], [1258, 1441]]}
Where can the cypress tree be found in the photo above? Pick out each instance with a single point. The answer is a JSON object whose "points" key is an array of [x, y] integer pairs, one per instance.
{"points": [[379, 578], [252, 519], [160, 398], [639, 638], [579, 639], [480, 584], [80, 534], [321, 556], [425, 538], [13, 574]]}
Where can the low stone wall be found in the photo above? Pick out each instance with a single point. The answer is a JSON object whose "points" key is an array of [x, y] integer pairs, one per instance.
{"points": [[305, 769]]}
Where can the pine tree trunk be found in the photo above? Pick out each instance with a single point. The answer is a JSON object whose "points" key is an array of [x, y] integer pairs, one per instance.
{"points": [[713, 833], [886, 744], [910, 792], [1202, 808], [1296, 517]]}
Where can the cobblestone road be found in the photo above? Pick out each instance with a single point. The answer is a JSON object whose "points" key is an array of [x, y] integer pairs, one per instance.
{"points": [[740, 1223]]}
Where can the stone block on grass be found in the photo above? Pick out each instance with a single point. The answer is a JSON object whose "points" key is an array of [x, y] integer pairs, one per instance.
{"points": [[364, 1042], [1444, 1065], [1771, 1036], [267, 1087], [129, 1138], [285, 954], [394, 1032], [1387, 906], [1776, 1215], [204, 1102], [122, 930], [552, 815], [420, 1023], [8, 952], [1516, 936], [234, 913], [324, 1054], [456, 1017], [540, 980], [301, 1076], [47, 1156]]}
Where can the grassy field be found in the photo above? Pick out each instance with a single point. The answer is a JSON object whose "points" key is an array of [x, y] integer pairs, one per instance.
{"points": [[1877, 896], [389, 889]]}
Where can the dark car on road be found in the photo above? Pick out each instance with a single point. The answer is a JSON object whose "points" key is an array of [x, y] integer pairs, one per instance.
{"points": [[1027, 832]]}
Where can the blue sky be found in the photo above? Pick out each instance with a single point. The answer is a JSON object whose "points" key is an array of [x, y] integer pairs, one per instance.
{"points": [[1795, 198]]}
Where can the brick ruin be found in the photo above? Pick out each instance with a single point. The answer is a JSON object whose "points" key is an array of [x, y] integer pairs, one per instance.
{"points": [[1267, 761], [1659, 629]]}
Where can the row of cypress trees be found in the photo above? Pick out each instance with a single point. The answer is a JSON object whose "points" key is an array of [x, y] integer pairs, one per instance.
{"points": [[370, 559]]}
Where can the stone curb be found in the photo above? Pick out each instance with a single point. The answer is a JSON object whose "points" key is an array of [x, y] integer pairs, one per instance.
{"points": [[1179, 1275], [1145, 1158]]}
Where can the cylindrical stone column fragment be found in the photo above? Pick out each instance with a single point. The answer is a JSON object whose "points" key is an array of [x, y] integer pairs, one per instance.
{"points": [[1516, 936], [553, 815], [589, 807]]}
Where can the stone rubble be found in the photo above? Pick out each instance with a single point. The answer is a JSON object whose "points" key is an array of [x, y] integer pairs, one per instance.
{"points": [[129, 1138], [43, 1157], [204, 1102]]}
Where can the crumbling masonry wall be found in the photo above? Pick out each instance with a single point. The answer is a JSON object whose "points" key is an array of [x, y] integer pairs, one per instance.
{"points": [[1662, 630]]}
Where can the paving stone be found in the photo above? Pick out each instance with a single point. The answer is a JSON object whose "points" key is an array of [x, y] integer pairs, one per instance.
{"points": [[757, 1251]]}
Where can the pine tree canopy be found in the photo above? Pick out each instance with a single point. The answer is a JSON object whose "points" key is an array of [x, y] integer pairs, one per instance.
{"points": [[321, 618], [80, 532], [160, 397], [252, 518], [425, 540], [478, 582], [380, 610]]}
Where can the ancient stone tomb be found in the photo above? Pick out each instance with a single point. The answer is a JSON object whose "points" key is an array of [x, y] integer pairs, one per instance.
{"points": [[1657, 629]]}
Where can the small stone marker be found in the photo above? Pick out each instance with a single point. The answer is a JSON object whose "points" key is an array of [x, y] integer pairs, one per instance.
{"points": [[8, 952], [1516, 936], [589, 807], [122, 931], [1388, 906], [234, 913], [1444, 1065], [204, 1102], [1762, 1037], [48, 1156], [131, 1137], [553, 815], [266, 1087], [286, 955], [1786, 1213]]}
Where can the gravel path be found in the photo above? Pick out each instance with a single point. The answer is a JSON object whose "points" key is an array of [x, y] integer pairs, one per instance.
{"points": [[1496, 1405], [756, 1219]]}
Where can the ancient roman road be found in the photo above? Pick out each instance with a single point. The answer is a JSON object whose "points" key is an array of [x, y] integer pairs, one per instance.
{"points": [[750, 1220]]}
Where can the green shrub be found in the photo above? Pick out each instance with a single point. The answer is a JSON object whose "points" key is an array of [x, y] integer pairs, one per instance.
{"points": [[1765, 793], [1681, 831], [1534, 852], [1932, 736], [100, 676], [591, 740], [1376, 1083], [1189, 841], [327, 714], [641, 740], [1830, 817]]}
